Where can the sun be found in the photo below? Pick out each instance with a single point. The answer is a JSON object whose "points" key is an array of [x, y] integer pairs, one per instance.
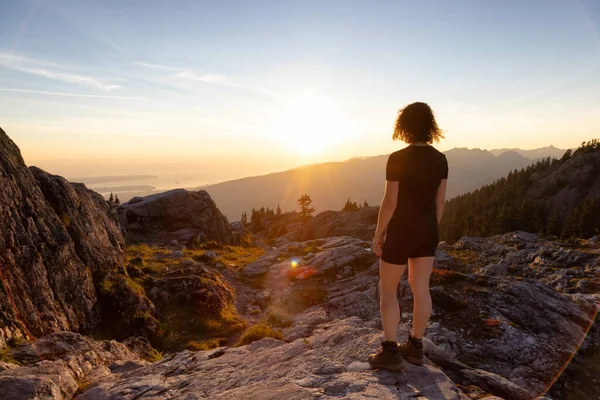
{"points": [[310, 122]]}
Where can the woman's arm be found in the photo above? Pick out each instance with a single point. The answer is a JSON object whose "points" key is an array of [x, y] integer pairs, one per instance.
{"points": [[440, 199], [386, 211]]}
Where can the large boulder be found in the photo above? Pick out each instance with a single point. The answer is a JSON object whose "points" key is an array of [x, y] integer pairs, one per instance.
{"points": [[177, 214]]}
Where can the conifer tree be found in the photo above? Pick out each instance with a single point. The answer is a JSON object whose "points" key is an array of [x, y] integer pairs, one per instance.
{"points": [[304, 203]]}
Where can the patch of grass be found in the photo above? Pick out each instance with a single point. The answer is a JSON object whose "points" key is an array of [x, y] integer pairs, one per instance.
{"points": [[179, 326], [107, 285], [236, 255], [154, 356], [311, 249], [465, 257], [66, 220], [258, 332], [194, 345], [136, 286], [140, 250], [151, 268], [10, 344]]}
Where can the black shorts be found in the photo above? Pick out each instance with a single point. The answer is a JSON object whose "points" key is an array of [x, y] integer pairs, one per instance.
{"points": [[410, 239]]}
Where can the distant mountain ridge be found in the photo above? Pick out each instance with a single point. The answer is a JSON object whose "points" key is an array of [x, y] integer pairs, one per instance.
{"points": [[358, 179], [534, 154]]}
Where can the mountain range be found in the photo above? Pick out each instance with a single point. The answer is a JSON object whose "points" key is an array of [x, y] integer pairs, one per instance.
{"points": [[331, 184]]}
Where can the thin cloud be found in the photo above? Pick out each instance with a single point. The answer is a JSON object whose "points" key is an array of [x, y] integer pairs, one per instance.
{"points": [[159, 67], [51, 71], [97, 96], [207, 78], [217, 79]]}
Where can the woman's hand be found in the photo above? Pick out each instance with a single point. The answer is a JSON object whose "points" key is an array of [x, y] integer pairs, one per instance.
{"points": [[377, 243]]}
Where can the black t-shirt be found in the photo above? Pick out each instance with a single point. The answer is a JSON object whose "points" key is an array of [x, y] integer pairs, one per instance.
{"points": [[419, 171]]}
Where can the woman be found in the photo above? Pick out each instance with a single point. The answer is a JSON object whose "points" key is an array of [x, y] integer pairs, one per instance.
{"points": [[410, 212]]}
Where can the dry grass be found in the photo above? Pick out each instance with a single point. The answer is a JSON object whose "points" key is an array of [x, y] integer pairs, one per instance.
{"points": [[206, 344], [258, 332], [179, 327]]}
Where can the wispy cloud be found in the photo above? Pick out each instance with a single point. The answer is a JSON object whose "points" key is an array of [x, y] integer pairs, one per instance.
{"points": [[207, 78], [97, 96], [51, 71], [159, 67], [217, 79]]}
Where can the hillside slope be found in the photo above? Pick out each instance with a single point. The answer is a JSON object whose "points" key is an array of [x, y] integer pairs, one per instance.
{"points": [[359, 179], [555, 197]]}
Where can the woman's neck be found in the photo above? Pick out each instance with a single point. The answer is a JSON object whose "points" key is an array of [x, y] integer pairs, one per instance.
{"points": [[419, 144]]}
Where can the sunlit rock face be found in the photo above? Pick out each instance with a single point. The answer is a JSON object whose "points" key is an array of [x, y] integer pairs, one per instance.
{"points": [[56, 238]]}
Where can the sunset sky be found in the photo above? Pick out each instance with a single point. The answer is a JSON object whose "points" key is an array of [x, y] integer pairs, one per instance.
{"points": [[246, 87]]}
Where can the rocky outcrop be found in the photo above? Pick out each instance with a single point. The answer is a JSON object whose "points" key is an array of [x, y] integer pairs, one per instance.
{"points": [[179, 215], [46, 286], [508, 335], [330, 363], [57, 242], [59, 365]]}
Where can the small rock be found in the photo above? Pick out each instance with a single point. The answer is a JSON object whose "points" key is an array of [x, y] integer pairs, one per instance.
{"points": [[187, 262], [164, 296], [154, 292], [211, 254]]}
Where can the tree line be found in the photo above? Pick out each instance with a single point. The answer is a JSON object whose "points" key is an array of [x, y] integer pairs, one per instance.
{"points": [[505, 205]]}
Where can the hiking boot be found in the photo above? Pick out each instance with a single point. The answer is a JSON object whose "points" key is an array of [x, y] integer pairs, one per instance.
{"points": [[410, 352], [387, 357]]}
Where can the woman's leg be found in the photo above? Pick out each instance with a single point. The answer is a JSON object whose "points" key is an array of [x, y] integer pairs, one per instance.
{"points": [[389, 277], [419, 271]]}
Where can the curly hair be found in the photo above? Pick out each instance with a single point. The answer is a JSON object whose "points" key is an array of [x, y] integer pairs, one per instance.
{"points": [[416, 123]]}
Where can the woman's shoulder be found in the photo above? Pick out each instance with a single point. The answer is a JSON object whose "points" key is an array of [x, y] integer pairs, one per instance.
{"points": [[438, 153]]}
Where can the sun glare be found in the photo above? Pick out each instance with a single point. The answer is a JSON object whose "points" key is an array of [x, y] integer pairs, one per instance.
{"points": [[310, 122]]}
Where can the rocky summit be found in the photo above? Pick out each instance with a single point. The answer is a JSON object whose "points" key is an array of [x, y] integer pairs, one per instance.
{"points": [[291, 317]]}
